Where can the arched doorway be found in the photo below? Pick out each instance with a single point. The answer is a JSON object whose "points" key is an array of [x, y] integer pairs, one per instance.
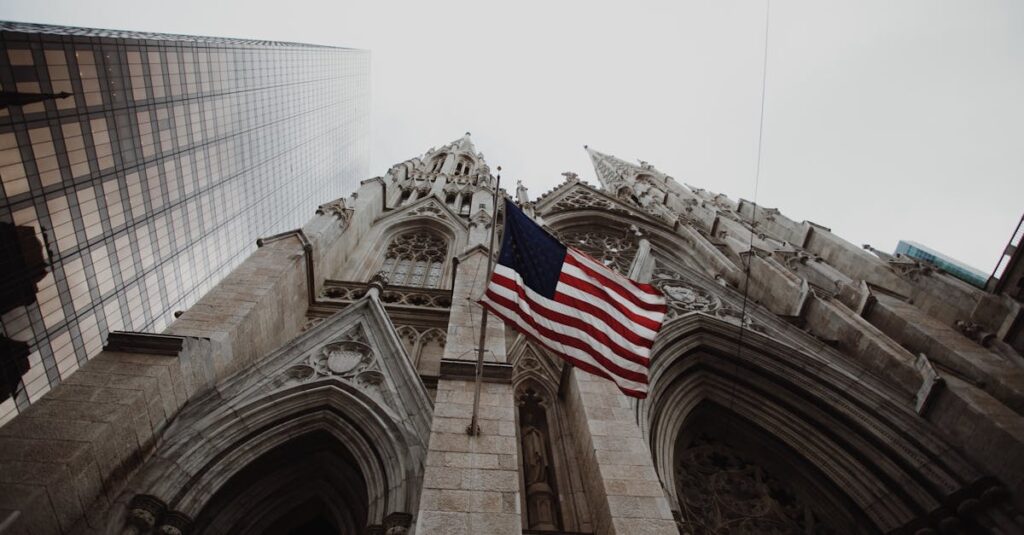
{"points": [[310, 485], [731, 478], [794, 437]]}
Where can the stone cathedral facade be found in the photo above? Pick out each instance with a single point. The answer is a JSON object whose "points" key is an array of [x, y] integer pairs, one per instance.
{"points": [[801, 384]]}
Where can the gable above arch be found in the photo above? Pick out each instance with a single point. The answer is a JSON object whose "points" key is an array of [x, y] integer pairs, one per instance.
{"points": [[431, 208], [349, 376]]}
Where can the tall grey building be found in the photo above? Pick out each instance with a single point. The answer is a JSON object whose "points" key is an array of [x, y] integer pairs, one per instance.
{"points": [[138, 169]]}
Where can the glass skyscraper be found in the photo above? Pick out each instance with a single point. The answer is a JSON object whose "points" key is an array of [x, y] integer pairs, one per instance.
{"points": [[138, 169]]}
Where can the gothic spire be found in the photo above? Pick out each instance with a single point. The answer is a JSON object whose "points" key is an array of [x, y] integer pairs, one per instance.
{"points": [[612, 171], [639, 183]]}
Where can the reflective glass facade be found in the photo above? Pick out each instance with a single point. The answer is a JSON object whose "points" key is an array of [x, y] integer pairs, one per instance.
{"points": [[949, 265], [156, 175]]}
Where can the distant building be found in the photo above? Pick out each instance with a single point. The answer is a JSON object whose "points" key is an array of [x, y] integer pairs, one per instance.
{"points": [[1008, 280], [1008, 276], [146, 166], [950, 265]]}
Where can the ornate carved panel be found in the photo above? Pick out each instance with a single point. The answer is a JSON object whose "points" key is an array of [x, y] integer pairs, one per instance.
{"points": [[583, 198], [425, 345], [431, 210], [392, 295], [720, 492], [682, 296], [348, 357], [614, 251]]}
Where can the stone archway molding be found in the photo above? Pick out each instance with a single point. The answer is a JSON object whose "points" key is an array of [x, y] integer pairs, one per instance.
{"points": [[348, 377], [862, 439]]}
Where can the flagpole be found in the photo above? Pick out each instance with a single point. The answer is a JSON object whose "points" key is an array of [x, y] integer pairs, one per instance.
{"points": [[474, 428]]}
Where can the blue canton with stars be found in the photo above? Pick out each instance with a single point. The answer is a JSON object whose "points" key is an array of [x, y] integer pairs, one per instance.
{"points": [[529, 250]]}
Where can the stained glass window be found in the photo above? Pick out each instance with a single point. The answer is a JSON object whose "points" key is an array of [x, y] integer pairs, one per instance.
{"points": [[415, 258]]}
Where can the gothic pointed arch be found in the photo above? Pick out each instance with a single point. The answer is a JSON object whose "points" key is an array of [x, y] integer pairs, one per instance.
{"points": [[415, 258], [413, 246], [329, 432], [804, 431], [609, 230]]}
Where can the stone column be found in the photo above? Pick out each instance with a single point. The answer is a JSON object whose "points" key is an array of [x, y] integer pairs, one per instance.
{"points": [[625, 493], [437, 188], [471, 483]]}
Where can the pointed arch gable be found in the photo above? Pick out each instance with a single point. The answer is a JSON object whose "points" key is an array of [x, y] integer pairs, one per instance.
{"points": [[577, 196], [348, 378], [429, 205], [369, 431], [427, 214], [858, 440], [564, 214]]}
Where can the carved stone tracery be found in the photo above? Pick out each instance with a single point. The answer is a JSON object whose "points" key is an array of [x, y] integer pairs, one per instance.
{"points": [[415, 258], [431, 210], [683, 297], [614, 251], [721, 492], [582, 198], [392, 295], [348, 357]]}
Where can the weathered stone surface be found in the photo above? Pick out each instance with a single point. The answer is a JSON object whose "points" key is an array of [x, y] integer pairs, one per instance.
{"points": [[792, 366]]}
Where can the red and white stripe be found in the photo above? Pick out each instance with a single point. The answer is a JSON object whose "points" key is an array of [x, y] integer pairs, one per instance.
{"points": [[600, 321]]}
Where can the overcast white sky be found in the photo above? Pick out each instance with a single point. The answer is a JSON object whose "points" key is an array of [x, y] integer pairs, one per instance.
{"points": [[884, 120]]}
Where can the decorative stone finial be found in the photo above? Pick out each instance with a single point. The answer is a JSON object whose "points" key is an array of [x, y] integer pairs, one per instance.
{"points": [[175, 523], [378, 282], [143, 513], [522, 197]]}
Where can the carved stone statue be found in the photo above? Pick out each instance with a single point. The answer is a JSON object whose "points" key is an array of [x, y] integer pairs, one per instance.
{"points": [[540, 500], [522, 197], [535, 457]]}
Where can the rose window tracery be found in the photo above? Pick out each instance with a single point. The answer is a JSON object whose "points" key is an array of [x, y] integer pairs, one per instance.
{"points": [[720, 492], [616, 252], [415, 259]]}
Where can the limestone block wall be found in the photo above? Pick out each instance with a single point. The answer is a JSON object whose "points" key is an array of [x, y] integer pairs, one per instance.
{"points": [[625, 493], [471, 483], [979, 424], [255, 309], [66, 458], [853, 261], [854, 336], [923, 334], [339, 252]]}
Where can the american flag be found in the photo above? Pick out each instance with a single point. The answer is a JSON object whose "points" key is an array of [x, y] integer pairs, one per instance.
{"points": [[587, 314]]}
